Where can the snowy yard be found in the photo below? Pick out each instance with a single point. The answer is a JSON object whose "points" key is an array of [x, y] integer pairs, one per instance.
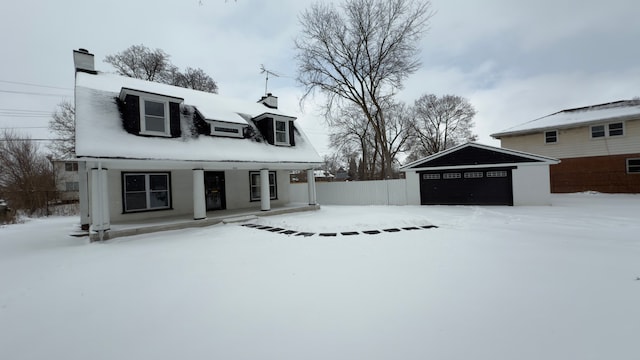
{"points": [[557, 282]]}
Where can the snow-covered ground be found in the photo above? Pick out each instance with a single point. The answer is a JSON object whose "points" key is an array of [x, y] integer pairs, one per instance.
{"points": [[557, 282]]}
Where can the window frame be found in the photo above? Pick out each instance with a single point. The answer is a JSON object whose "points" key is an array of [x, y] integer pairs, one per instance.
{"points": [[451, 175], [606, 130], [143, 115], [636, 168], [147, 192], [274, 195], [71, 186], [287, 142], [547, 137], [70, 166], [238, 133]]}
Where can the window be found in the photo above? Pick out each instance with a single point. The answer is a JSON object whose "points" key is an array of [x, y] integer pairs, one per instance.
{"points": [[473, 175], [71, 186], [70, 166], [633, 166], [613, 129], [281, 132], [597, 131], [430, 176], [451, 176], [616, 129], [226, 129], [255, 185], [550, 137], [155, 117], [495, 174], [143, 192]]}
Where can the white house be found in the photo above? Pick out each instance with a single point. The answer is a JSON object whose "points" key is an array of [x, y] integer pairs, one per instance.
{"points": [[147, 151]]}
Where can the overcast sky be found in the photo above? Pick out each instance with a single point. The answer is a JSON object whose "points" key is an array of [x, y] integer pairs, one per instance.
{"points": [[514, 60]]}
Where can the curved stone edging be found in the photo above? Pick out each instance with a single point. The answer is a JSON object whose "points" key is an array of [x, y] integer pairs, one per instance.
{"points": [[334, 234]]}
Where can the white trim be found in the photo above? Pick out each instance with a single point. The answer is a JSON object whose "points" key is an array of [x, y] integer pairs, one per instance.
{"points": [[143, 115], [286, 123], [544, 133], [632, 172], [607, 130], [147, 191], [539, 159], [239, 129], [273, 196]]}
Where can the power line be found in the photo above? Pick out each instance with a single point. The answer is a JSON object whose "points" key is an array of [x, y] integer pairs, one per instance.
{"points": [[37, 85], [31, 93]]}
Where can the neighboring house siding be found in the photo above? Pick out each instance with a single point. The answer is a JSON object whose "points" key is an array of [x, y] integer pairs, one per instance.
{"points": [[598, 173], [577, 142]]}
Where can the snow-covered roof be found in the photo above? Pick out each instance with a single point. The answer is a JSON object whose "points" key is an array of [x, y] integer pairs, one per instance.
{"points": [[100, 133], [619, 110], [524, 157]]}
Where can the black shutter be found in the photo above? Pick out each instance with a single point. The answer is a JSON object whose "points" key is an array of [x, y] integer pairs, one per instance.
{"points": [[266, 129], [130, 112], [174, 119], [292, 139]]}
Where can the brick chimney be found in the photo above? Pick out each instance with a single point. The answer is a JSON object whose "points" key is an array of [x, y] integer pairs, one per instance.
{"points": [[269, 101], [83, 61]]}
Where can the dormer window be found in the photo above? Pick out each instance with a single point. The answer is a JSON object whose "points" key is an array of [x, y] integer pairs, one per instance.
{"points": [[276, 129], [226, 129], [281, 131], [154, 113]]}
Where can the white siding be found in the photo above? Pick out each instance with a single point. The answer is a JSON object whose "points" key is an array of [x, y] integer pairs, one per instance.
{"points": [[577, 142], [531, 185]]}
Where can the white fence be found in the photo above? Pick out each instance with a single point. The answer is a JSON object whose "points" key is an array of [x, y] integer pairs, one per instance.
{"points": [[376, 192]]}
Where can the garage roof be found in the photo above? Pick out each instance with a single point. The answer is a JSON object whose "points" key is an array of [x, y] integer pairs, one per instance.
{"points": [[470, 155]]}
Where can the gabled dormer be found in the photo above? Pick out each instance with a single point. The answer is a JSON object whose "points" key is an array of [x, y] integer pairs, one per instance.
{"points": [[276, 129], [149, 114]]}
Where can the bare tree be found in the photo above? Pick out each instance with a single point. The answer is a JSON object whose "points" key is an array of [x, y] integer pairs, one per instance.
{"points": [[62, 123], [141, 62], [361, 54], [440, 123], [27, 178], [195, 79]]}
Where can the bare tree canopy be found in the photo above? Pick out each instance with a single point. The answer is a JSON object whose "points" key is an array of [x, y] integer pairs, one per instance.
{"points": [[27, 179], [440, 123], [63, 125], [195, 79], [138, 61], [361, 54]]}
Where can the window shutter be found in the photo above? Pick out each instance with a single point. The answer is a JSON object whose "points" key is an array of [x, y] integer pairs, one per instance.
{"points": [[130, 110], [292, 139], [266, 129], [174, 119]]}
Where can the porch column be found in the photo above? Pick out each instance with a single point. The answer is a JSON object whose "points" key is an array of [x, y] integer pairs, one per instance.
{"points": [[100, 219], [265, 194], [199, 205], [83, 189], [311, 182]]}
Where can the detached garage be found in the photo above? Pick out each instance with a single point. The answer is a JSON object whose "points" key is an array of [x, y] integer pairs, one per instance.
{"points": [[475, 174]]}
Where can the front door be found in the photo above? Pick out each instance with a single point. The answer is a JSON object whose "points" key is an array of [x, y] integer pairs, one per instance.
{"points": [[214, 190]]}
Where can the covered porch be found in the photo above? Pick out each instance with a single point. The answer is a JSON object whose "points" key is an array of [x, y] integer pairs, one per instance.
{"points": [[130, 228]]}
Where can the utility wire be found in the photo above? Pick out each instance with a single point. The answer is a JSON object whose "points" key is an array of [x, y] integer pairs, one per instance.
{"points": [[32, 93], [30, 84]]}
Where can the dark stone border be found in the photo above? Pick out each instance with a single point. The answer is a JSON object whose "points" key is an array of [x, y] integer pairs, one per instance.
{"points": [[334, 234]]}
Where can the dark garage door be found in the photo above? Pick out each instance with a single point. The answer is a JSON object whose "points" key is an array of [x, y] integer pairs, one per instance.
{"points": [[467, 187]]}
